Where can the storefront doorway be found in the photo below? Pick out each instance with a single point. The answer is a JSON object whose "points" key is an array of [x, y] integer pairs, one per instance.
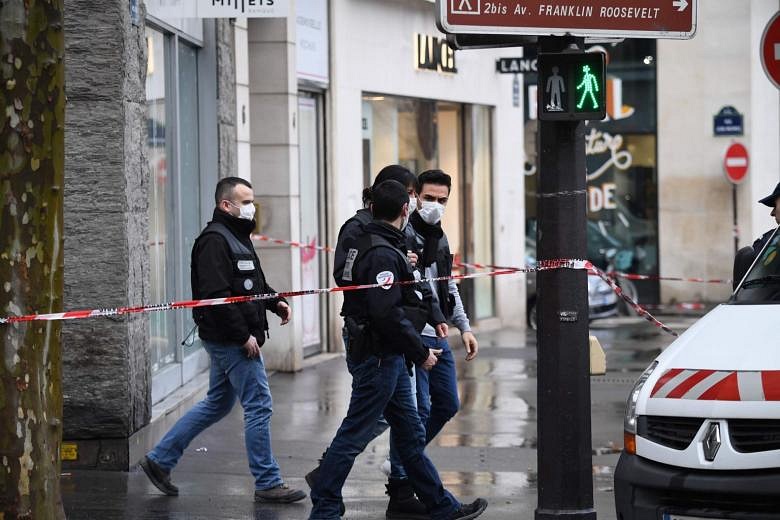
{"points": [[312, 191], [424, 134]]}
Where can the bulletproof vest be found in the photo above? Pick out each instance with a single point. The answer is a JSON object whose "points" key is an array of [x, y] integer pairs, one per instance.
{"points": [[411, 298]]}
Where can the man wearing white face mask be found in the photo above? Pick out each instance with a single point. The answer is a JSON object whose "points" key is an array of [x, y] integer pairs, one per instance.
{"points": [[224, 263], [437, 389]]}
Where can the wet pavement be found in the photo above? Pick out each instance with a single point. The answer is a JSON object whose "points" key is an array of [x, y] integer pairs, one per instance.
{"points": [[488, 449]]}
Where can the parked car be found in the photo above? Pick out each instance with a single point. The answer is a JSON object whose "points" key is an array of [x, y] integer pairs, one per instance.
{"points": [[702, 423], [602, 300]]}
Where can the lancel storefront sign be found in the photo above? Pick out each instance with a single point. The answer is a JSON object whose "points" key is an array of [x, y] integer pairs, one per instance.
{"points": [[432, 53]]}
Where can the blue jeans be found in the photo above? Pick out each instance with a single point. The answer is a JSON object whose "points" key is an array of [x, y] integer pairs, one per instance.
{"points": [[381, 424], [380, 386], [233, 375], [437, 395]]}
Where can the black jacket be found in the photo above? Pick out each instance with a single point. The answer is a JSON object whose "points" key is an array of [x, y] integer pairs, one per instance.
{"points": [[431, 245], [215, 274], [392, 330], [349, 231]]}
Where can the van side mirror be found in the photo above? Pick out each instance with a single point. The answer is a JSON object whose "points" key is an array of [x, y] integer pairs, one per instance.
{"points": [[742, 262]]}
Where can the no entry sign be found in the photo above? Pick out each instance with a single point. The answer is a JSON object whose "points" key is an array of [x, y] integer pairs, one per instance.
{"points": [[675, 19], [735, 163], [770, 50]]}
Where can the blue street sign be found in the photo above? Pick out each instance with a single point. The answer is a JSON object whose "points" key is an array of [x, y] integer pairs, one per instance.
{"points": [[728, 122]]}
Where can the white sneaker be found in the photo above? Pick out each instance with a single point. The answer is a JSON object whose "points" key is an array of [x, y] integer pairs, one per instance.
{"points": [[386, 468]]}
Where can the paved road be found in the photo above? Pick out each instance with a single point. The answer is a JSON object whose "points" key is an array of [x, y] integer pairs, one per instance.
{"points": [[488, 450]]}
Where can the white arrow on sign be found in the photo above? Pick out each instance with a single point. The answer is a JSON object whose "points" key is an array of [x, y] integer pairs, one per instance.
{"points": [[680, 4]]}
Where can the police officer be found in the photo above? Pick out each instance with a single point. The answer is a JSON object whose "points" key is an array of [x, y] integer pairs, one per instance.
{"points": [[745, 256], [224, 264], [402, 500], [382, 339]]}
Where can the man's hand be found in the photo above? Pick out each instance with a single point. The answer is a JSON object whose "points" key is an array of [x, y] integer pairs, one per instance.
{"points": [[412, 256], [433, 358], [442, 330], [252, 348], [472, 347], [284, 312]]}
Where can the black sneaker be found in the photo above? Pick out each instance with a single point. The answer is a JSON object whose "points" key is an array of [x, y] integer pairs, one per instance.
{"points": [[281, 494], [312, 477], [469, 511], [158, 476]]}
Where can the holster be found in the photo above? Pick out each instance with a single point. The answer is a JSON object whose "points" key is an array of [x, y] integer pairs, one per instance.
{"points": [[359, 344]]}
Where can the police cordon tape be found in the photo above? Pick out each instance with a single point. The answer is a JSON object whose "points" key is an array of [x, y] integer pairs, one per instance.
{"points": [[188, 304], [607, 277], [613, 274], [543, 265]]}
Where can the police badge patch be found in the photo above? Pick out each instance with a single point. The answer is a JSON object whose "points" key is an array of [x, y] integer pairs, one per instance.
{"points": [[385, 279]]}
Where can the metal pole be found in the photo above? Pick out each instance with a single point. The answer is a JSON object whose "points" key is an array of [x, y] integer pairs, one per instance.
{"points": [[563, 388]]}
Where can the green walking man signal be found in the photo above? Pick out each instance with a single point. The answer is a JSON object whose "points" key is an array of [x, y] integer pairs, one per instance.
{"points": [[571, 86], [589, 83]]}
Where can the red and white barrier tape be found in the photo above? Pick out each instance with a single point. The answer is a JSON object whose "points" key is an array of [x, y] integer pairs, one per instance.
{"points": [[616, 274], [631, 276], [188, 304], [642, 312]]}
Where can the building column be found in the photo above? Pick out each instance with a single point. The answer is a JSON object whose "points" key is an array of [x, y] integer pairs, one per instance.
{"points": [[106, 361], [273, 100]]}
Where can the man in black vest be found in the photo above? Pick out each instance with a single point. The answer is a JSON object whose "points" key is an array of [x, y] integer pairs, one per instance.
{"points": [[745, 256], [224, 263], [382, 339]]}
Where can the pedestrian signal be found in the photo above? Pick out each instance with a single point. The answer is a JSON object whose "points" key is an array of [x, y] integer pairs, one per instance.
{"points": [[571, 86]]}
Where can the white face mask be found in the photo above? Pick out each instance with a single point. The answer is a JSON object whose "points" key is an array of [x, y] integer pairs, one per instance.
{"points": [[431, 212], [246, 211], [406, 218], [412, 204]]}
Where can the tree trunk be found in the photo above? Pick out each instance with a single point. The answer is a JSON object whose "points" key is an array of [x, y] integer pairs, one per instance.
{"points": [[32, 120]]}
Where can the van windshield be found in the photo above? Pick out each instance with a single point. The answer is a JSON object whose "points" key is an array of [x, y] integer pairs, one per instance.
{"points": [[762, 283]]}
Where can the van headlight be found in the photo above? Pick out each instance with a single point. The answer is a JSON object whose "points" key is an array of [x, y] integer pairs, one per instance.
{"points": [[629, 423]]}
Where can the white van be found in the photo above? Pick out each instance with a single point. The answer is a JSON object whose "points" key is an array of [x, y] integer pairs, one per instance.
{"points": [[702, 425]]}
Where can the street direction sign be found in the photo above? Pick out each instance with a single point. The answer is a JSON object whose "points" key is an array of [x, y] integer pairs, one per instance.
{"points": [[666, 19], [735, 163], [770, 50]]}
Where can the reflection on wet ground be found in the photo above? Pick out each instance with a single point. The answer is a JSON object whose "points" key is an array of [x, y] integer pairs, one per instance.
{"points": [[488, 449]]}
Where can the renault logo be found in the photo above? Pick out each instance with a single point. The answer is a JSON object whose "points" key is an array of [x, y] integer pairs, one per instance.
{"points": [[711, 443]]}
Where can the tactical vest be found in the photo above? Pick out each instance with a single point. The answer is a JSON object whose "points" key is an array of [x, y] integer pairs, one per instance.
{"points": [[247, 277], [412, 300]]}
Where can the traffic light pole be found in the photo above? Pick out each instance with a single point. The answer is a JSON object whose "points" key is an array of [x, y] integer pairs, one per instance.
{"points": [[563, 388]]}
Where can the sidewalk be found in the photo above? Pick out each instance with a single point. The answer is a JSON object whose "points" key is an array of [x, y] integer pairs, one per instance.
{"points": [[488, 450]]}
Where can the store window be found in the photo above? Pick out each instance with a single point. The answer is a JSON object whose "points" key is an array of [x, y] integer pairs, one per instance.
{"points": [[621, 161], [423, 134], [176, 216]]}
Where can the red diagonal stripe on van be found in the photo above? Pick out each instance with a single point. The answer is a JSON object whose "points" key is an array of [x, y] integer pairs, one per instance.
{"points": [[668, 376], [771, 381], [689, 383], [727, 389]]}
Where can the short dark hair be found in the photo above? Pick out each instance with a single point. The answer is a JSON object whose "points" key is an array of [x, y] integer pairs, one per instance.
{"points": [[393, 172], [388, 201], [434, 177], [226, 186]]}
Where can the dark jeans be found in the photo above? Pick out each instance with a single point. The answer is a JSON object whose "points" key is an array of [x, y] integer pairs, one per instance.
{"points": [[437, 395], [380, 386]]}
